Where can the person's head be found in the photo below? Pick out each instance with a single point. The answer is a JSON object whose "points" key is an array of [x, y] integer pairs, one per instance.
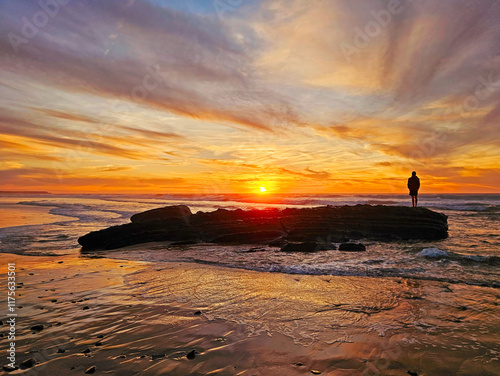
{"points": [[413, 173]]}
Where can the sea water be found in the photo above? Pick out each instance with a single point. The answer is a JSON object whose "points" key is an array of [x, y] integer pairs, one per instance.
{"points": [[51, 225]]}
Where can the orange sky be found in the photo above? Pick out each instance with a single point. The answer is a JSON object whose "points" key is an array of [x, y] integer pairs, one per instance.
{"points": [[327, 96]]}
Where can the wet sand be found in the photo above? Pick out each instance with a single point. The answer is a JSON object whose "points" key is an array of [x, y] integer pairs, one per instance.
{"points": [[12, 215], [138, 318]]}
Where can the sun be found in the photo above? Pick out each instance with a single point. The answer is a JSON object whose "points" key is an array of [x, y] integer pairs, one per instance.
{"points": [[262, 189]]}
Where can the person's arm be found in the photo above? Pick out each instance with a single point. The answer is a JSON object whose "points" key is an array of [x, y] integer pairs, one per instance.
{"points": [[408, 184], [418, 183]]}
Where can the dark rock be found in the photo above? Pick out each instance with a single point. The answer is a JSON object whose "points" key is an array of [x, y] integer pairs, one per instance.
{"points": [[301, 247], [315, 372], [98, 343], [91, 370], [411, 373], [37, 328], [191, 354], [246, 237], [197, 313], [85, 308], [100, 336], [8, 368], [86, 351], [157, 356], [323, 225], [352, 247], [61, 351], [177, 211], [28, 363], [278, 243]]}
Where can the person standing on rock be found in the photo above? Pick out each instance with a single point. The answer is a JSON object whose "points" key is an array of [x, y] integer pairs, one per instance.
{"points": [[413, 186]]}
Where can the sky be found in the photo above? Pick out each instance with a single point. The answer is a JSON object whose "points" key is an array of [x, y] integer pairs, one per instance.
{"points": [[227, 96]]}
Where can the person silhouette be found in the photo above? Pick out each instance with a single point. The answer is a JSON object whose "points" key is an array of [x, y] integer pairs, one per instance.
{"points": [[413, 186]]}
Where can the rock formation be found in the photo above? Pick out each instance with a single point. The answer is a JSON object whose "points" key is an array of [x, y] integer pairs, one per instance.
{"points": [[325, 225]]}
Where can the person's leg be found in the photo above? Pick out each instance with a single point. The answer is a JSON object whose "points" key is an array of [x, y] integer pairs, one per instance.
{"points": [[412, 201], [416, 201]]}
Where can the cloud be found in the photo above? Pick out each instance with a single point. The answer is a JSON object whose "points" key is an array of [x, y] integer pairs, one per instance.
{"points": [[267, 90], [188, 64]]}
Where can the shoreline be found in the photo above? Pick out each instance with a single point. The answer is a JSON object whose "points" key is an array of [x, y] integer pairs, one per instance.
{"points": [[151, 315]]}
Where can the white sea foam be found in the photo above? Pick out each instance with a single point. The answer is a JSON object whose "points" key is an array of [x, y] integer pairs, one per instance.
{"points": [[432, 252]]}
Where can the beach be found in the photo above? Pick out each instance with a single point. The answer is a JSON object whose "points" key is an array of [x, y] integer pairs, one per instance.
{"points": [[399, 308], [141, 318]]}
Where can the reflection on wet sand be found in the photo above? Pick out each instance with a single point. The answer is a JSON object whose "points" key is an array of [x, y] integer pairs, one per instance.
{"points": [[131, 318]]}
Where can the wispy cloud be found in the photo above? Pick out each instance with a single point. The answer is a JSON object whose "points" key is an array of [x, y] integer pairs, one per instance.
{"points": [[331, 91]]}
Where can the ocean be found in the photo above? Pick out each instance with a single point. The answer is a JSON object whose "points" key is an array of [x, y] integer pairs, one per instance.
{"points": [[49, 225]]}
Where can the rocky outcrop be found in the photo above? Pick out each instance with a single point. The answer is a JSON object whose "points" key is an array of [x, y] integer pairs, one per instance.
{"points": [[323, 225], [177, 211]]}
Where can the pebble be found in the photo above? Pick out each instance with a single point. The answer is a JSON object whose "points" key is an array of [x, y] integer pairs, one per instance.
{"points": [[191, 354], [60, 351], [197, 313], [28, 363], [91, 370], [315, 372], [157, 356], [37, 327], [8, 368]]}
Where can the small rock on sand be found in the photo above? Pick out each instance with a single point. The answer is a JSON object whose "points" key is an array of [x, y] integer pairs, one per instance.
{"points": [[91, 370], [157, 356], [191, 354], [315, 372], [37, 328], [28, 363], [8, 368]]}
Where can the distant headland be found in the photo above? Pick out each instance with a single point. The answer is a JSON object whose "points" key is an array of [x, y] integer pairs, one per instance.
{"points": [[24, 192]]}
